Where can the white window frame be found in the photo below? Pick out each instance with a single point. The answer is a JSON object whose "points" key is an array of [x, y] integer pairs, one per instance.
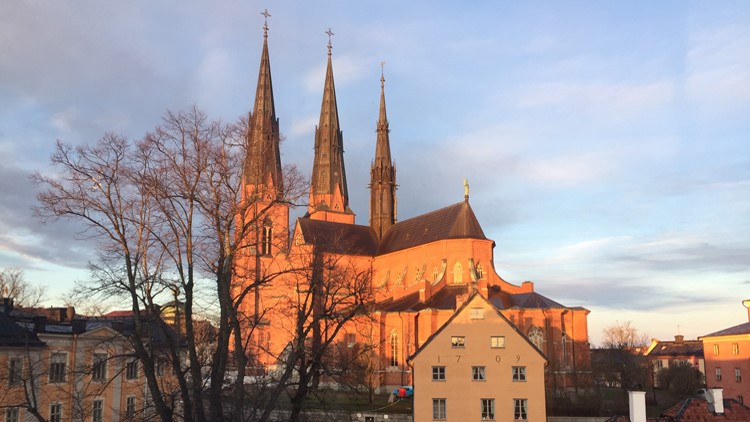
{"points": [[439, 409], [12, 414], [130, 406], [487, 409], [58, 367], [99, 366], [55, 412], [438, 373], [131, 369], [478, 373], [520, 409], [97, 410], [15, 370], [458, 342], [497, 342], [519, 374]]}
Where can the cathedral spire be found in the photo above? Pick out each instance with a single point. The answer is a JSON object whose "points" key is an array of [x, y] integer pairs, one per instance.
{"points": [[263, 161], [328, 191], [382, 173]]}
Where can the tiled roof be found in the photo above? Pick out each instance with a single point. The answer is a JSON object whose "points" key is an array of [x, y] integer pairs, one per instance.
{"points": [[13, 335], [732, 331], [339, 238], [454, 222], [673, 348], [697, 410]]}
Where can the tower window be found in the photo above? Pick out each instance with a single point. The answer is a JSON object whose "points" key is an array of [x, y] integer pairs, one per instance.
{"points": [[265, 242]]}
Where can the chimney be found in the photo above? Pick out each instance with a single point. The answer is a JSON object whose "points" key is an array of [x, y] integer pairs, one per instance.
{"points": [[715, 399], [746, 304], [637, 402], [679, 338], [7, 305]]}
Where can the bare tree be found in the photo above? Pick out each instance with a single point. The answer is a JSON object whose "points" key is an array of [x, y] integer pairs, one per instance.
{"points": [[328, 294], [167, 213], [14, 285], [625, 346]]}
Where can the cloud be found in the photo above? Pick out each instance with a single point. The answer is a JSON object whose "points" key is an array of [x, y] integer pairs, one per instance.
{"points": [[24, 238], [718, 68], [621, 99]]}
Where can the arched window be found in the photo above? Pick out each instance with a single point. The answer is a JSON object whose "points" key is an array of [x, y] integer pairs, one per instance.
{"points": [[458, 273], [394, 348], [536, 336]]}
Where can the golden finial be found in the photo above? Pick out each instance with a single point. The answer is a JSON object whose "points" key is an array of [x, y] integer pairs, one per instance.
{"points": [[266, 15], [466, 189], [330, 34]]}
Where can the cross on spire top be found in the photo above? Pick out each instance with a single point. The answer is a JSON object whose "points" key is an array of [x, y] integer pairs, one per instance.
{"points": [[266, 15], [382, 73], [330, 34]]}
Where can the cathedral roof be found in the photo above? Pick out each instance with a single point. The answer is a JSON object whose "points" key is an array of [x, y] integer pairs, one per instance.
{"points": [[453, 222], [445, 298], [340, 238], [533, 300]]}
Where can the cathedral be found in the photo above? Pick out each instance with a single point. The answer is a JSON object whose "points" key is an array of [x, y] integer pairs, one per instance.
{"points": [[421, 269]]}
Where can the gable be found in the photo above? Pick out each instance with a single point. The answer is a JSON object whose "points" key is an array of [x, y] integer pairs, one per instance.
{"points": [[478, 330]]}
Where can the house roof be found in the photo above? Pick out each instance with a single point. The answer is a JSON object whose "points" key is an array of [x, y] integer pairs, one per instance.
{"points": [[696, 409], [340, 238], [13, 335], [743, 328], [475, 296], [453, 222], [675, 348]]}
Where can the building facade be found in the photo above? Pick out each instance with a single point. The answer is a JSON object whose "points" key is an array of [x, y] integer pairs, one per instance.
{"points": [[66, 368], [662, 354], [478, 366], [421, 269], [727, 355]]}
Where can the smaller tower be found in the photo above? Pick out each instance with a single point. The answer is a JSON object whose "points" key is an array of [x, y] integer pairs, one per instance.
{"points": [[382, 173]]}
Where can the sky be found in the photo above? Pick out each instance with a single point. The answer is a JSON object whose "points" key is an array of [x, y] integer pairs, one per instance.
{"points": [[607, 144]]}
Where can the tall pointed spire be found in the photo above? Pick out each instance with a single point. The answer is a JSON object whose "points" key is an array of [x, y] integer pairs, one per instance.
{"points": [[263, 161], [328, 191], [382, 173]]}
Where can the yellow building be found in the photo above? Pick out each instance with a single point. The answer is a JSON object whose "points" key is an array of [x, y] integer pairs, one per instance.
{"points": [[478, 366], [62, 368]]}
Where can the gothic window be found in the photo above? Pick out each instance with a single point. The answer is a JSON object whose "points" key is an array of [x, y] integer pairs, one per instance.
{"points": [[394, 349], [435, 273], [480, 272], [536, 337], [266, 238], [458, 272]]}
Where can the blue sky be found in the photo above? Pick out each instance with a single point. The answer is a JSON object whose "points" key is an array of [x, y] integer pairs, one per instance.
{"points": [[607, 144]]}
